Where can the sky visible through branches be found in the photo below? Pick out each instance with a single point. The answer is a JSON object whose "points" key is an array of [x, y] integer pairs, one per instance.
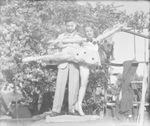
{"points": [[124, 42]]}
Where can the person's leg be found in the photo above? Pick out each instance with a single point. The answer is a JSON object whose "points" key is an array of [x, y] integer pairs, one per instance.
{"points": [[60, 89], [84, 73], [70, 55], [73, 86], [56, 57]]}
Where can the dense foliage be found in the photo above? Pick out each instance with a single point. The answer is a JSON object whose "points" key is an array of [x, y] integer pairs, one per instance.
{"points": [[25, 28]]}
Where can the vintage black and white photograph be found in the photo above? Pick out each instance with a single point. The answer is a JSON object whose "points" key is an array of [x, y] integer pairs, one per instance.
{"points": [[74, 63]]}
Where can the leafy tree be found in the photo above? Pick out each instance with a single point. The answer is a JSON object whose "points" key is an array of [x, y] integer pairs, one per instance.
{"points": [[27, 25]]}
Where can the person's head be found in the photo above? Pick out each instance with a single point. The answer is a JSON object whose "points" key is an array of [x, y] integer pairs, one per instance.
{"points": [[70, 26], [89, 30]]}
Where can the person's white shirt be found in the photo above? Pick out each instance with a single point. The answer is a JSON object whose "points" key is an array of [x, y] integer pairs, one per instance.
{"points": [[67, 35]]}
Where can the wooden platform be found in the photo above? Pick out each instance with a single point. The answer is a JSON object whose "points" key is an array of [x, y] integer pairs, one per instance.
{"points": [[103, 121], [134, 104]]}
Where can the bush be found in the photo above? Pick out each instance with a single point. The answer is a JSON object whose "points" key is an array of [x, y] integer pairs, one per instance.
{"points": [[27, 25]]}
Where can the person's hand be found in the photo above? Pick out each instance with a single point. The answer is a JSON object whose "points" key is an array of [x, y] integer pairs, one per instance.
{"points": [[123, 25], [81, 43], [60, 45], [51, 41], [96, 40], [120, 26], [56, 44]]}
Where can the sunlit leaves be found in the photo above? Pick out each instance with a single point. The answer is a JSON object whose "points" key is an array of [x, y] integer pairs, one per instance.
{"points": [[138, 20], [26, 26]]}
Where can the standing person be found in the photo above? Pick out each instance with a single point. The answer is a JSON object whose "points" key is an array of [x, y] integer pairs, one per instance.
{"points": [[88, 53], [91, 44], [67, 72]]}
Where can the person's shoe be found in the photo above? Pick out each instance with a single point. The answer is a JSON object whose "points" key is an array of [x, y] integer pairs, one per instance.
{"points": [[51, 114], [73, 113], [78, 109]]}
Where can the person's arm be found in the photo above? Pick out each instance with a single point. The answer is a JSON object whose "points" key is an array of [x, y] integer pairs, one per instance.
{"points": [[56, 41], [77, 40], [53, 42], [109, 33]]}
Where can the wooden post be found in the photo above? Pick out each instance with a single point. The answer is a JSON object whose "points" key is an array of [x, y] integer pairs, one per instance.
{"points": [[149, 68], [144, 88], [142, 103], [149, 71], [134, 33]]}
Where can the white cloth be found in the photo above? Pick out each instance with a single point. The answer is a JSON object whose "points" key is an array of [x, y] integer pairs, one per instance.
{"points": [[91, 46], [66, 35]]}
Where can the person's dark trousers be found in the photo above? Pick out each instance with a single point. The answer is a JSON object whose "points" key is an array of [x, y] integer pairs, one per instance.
{"points": [[125, 105]]}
